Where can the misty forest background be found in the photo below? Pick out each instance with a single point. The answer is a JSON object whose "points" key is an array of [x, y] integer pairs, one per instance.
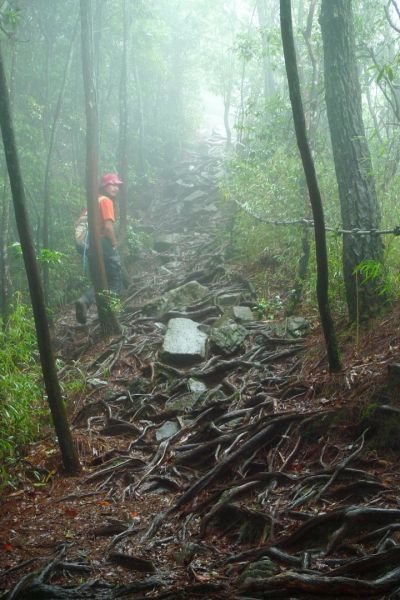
{"points": [[168, 74]]}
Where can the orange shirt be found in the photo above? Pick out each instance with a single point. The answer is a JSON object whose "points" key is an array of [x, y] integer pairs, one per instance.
{"points": [[106, 206]]}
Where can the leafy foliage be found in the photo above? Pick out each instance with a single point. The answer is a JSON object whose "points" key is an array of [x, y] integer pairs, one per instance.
{"points": [[21, 395]]}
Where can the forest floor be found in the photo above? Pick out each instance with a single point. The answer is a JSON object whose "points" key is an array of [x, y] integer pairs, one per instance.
{"points": [[250, 474]]}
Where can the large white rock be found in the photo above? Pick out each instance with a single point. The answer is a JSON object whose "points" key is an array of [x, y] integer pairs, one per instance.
{"points": [[184, 343]]}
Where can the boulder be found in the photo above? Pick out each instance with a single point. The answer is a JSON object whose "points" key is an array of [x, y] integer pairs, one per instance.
{"points": [[228, 299], [178, 298], [184, 343], [166, 242], [242, 313], [296, 325], [229, 337]]}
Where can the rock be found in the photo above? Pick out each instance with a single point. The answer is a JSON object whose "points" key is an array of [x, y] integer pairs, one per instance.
{"points": [[186, 401], [139, 385], [228, 299], [196, 387], [96, 383], [167, 430], [295, 325], [184, 184], [178, 298], [184, 343], [260, 570], [229, 337], [166, 241], [196, 195], [242, 313]]}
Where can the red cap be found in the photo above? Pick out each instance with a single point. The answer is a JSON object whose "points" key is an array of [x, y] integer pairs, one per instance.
{"points": [[110, 179]]}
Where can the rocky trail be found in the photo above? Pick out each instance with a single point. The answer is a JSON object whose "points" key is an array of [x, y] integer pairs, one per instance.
{"points": [[212, 467]]}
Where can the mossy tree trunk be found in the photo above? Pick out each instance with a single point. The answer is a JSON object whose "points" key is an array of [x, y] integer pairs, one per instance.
{"points": [[358, 199]]}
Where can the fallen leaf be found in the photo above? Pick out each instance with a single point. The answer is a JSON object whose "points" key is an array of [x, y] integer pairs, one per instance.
{"points": [[104, 503], [7, 547], [71, 512]]}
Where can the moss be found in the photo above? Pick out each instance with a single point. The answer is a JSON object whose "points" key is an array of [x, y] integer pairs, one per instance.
{"points": [[314, 429]]}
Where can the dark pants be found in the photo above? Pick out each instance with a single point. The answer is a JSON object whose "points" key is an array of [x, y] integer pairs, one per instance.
{"points": [[112, 265]]}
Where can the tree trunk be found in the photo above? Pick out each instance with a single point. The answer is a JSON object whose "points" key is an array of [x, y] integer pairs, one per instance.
{"points": [[46, 192], [141, 149], [108, 321], [123, 128], [5, 276], [309, 171], [55, 400], [269, 82], [358, 200]]}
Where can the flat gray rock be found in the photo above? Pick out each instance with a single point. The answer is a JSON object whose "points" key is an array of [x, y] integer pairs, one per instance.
{"points": [[196, 386], [242, 313], [184, 343], [228, 299], [167, 430]]}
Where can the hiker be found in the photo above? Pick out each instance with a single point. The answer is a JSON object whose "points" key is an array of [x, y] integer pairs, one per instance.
{"points": [[108, 191]]}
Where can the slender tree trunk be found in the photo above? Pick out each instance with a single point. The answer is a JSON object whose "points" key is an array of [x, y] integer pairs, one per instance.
{"points": [[227, 109], [55, 400], [309, 171], [101, 90], [358, 199], [46, 191], [123, 128], [141, 149], [5, 276], [107, 317], [269, 82]]}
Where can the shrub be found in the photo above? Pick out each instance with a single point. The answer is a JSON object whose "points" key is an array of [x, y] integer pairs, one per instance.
{"points": [[21, 394]]}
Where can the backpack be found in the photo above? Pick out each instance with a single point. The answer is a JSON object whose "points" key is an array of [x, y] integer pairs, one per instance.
{"points": [[81, 230]]}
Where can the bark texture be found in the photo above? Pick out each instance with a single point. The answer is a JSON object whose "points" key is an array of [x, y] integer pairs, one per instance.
{"points": [[357, 193], [108, 320], [54, 397], [313, 188]]}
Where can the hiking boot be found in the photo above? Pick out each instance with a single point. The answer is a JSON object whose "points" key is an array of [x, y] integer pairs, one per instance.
{"points": [[81, 309]]}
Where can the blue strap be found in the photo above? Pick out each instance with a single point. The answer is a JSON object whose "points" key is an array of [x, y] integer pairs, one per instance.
{"points": [[85, 253]]}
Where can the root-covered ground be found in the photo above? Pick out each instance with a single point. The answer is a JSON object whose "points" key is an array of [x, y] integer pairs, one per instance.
{"points": [[248, 473]]}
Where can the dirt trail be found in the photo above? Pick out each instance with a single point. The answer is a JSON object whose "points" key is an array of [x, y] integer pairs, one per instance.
{"points": [[208, 476]]}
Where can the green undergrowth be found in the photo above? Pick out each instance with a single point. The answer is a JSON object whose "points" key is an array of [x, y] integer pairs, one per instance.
{"points": [[22, 406]]}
